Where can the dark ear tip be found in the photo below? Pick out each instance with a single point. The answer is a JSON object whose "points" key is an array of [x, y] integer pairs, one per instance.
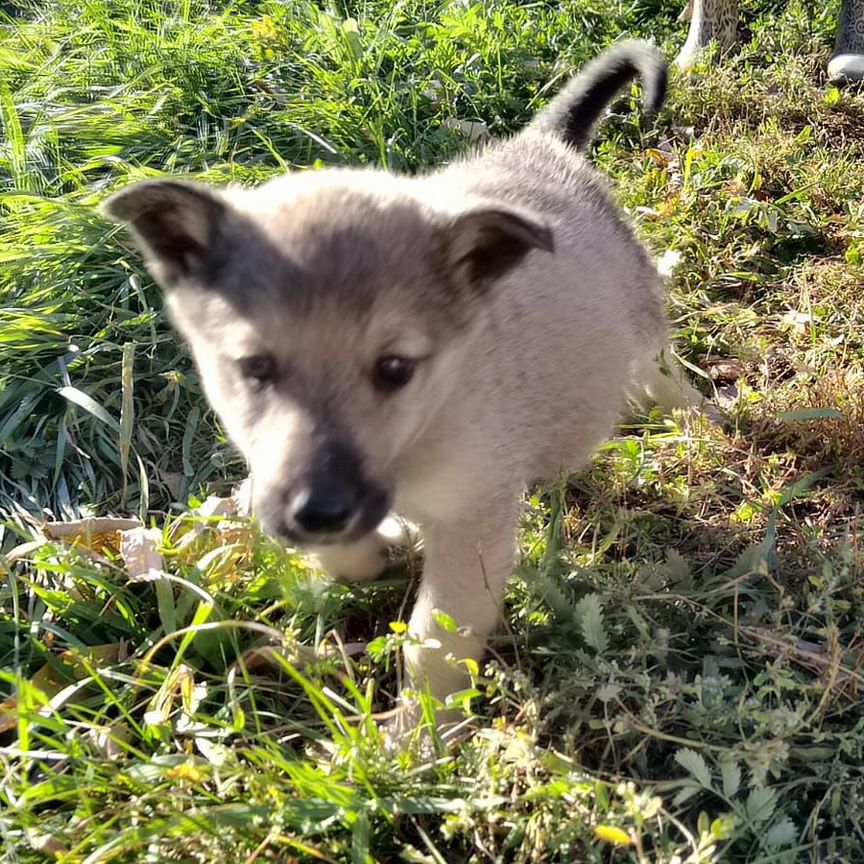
{"points": [[127, 203], [541, 236], [131, 201], [116, 206]]}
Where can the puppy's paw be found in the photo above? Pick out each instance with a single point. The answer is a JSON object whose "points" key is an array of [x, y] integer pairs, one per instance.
{"points": [[365, 559], [403, 728], [410, 728], [353, 562], [666, 386]]}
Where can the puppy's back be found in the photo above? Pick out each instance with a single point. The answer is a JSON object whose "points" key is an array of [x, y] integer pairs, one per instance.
{"points": [[568, 333]]}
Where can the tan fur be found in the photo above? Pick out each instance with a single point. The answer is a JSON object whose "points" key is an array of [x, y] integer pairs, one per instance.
{"points": [[511, 274]]}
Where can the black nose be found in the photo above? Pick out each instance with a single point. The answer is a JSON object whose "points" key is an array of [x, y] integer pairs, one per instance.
{"points": [[322, 509]]}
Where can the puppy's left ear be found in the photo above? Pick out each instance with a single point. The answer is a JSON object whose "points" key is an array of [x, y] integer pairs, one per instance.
{"points": [[486, 242]]}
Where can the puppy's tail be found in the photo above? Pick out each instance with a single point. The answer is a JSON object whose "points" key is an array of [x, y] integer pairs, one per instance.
{"points": [[571, 115]]}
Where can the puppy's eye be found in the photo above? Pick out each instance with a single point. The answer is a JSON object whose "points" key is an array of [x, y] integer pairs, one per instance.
{"points": [[258, 369], [392, 372]]}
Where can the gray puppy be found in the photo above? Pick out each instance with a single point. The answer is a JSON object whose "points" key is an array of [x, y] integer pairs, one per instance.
{"points": [[427, 345]]}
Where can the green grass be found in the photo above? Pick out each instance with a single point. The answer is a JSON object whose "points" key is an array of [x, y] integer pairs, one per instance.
{"points": [[682, 656]]}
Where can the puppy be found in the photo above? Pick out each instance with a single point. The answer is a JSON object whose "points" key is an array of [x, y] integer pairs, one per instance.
{"points": [[427, 345]]}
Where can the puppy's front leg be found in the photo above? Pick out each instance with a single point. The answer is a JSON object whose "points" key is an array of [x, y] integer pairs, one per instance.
{"points": [[465, 571]]}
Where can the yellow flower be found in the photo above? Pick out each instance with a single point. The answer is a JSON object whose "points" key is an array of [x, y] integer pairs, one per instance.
{"points": [[612, 835], [185, 771]]}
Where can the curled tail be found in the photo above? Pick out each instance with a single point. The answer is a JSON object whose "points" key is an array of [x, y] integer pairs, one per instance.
{"points": [[571, 115]]}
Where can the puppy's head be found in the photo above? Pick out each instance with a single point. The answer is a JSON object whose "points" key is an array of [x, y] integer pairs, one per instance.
{"points": [[325, 314]]}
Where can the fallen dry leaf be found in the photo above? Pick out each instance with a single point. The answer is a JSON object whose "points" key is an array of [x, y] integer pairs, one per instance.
{"points": [[139, 548], [795, 320], [108, 740], [96, 534], [663, 157], [726, 370], [51, 680], [8, 714], [96, 655], [46, 844], [24, 550], [266, 659], [185, 531]]}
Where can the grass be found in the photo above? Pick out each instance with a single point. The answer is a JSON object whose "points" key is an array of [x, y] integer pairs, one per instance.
{"points": [[679, 675]]}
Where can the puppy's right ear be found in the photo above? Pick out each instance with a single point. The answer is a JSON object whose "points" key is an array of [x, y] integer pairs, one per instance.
{"points": [[176, 225]]}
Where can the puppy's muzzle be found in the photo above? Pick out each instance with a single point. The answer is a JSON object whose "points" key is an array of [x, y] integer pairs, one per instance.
{"points": [[332, 501], [326, 508], [333, 510]]}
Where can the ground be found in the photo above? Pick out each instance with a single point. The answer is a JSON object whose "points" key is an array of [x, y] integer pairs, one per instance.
{"points": [[678, 678]]}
